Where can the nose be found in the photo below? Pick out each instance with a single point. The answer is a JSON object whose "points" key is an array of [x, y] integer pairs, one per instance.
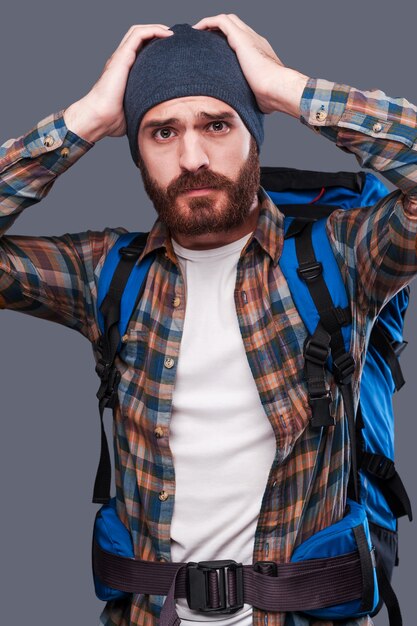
{"points": [[193, 155]]}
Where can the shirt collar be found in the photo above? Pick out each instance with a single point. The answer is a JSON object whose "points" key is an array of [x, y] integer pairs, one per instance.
{"points": [[268, 233]]}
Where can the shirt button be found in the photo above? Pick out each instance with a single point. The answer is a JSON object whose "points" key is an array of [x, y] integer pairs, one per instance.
{"points": [[163, 496], [169, 362], [176, 301], [321, 115], [377, 127], [48, 141], [65, 152], [158, 432]]}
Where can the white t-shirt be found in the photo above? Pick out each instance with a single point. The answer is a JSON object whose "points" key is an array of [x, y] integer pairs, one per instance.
{"points": [[221, 439]]}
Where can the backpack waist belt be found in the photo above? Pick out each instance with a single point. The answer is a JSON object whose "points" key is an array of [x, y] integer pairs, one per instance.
{"points": [[224, 586], [331, 575]]}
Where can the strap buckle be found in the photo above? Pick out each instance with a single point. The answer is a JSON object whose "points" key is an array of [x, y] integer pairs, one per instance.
{"points": [[380, 466], [310, 271], [320, 407], [207, 590], [343, 368], [130, 252], [110, 379], [316, 352]]}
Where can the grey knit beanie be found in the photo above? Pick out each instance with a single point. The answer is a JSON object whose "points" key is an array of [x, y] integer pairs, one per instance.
{"points": [[189, 63]]}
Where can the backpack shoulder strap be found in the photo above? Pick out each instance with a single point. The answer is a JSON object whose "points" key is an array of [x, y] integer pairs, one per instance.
{"points": [[319, 293], [121, 285], [311, 240]]}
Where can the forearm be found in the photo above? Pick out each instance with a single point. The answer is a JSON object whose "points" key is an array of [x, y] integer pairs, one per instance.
{"points": [[380, 131], [291, 87], [83, 122], [30, 164]]}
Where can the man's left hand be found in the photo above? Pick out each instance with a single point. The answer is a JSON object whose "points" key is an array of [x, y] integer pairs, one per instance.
{"points": [[276, 87]]}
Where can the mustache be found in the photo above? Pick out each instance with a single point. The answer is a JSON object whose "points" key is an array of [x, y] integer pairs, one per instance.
{"points": [[187, 182]]}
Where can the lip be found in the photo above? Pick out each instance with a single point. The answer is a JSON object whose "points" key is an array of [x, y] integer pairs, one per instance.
{"points": [[201, 190]]}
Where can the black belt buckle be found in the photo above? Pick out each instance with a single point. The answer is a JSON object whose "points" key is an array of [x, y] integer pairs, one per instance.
{"points": [[215, 586]]}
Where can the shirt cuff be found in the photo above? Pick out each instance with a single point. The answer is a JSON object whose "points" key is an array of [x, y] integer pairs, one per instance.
{"points": [[323, 102], [53, 142]]}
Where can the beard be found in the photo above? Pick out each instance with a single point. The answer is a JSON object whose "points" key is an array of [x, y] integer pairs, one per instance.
{"points": [[224, 209]]}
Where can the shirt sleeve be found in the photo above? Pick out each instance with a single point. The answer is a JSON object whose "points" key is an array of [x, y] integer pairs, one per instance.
{"points": [[377, 244], [47, 277]]}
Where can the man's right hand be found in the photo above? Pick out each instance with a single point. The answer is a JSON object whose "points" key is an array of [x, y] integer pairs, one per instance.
{"points": [[100, 112]]}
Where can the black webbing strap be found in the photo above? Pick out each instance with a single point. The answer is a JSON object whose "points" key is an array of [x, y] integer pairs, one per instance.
{"points": [[388, 594], [316, 353], [316, 211], [289, 178], [368, 563], [389, 482], [306, 585], [332, 319], [106, 347], [389, 351]]}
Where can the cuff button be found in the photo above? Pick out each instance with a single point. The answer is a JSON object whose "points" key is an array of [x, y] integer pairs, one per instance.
{"points": [[321, 115], [48, 141]]}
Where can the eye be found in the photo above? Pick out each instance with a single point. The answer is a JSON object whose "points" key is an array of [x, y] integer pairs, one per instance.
{"points": [[166, 131], [161, 130], [219, 123]]}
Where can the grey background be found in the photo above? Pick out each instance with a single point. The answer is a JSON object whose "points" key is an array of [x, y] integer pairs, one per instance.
{"points": [[51, 56]]}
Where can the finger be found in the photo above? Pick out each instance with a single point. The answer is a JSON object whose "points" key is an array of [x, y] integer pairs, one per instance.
{"points": [[138, 37], [239, 22], [221, 22], [137, 26]]}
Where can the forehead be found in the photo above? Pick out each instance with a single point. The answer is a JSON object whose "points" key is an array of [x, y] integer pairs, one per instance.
{"points": [[188, 107]]}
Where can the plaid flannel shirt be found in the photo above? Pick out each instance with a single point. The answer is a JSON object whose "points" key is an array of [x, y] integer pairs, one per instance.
{"points": [[55, 278]]}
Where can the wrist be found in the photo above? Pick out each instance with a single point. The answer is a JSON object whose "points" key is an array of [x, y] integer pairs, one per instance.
{"points": [[290, 87], [81, 120]]}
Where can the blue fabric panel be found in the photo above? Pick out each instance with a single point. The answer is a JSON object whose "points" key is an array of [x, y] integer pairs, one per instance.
{"points": [[372, 191], [133, 285], [113, 536], [134, 282], [392, 315], [336, 540], [331, 274], [377, 385], [107, 272]]}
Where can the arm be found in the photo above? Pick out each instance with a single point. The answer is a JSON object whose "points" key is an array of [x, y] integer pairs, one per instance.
{"points": [[54, 277], [32, 279], [376, 246]]}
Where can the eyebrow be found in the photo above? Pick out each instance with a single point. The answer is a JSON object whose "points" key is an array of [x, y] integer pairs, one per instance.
{"points": [[203, 115]]}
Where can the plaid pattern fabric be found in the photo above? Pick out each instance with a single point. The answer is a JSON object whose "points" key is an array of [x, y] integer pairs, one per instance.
{"points": [[56, 278]]}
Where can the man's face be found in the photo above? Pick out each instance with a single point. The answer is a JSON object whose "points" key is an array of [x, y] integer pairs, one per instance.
{"points": [[198, 142]]}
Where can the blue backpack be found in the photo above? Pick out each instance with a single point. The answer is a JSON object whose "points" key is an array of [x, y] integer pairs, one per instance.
{"points": [[376, 496]]}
